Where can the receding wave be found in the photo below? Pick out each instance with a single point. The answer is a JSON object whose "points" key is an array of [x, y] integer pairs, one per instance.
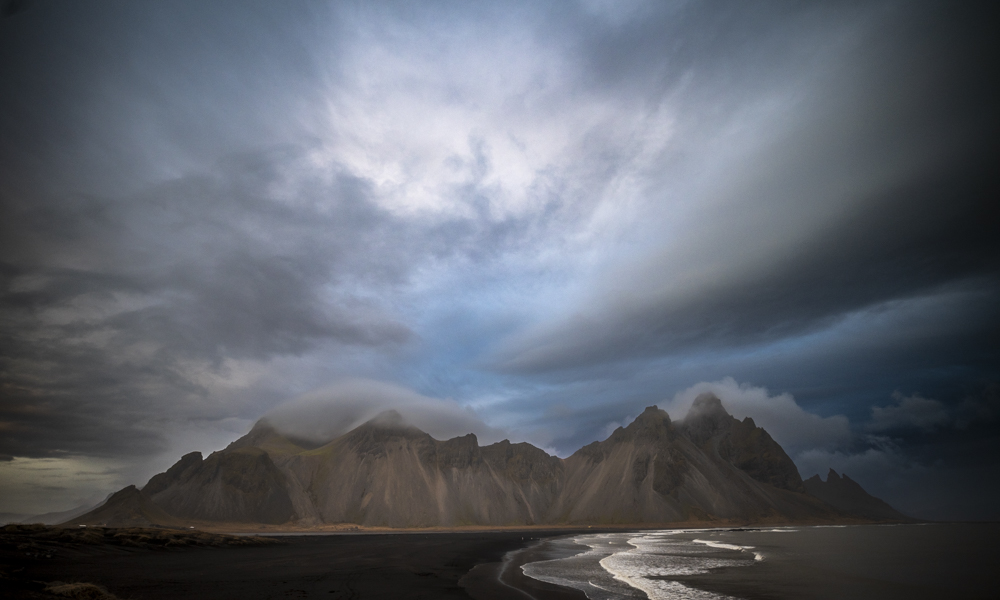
{"points": [[631, 565], [779, 530], [583, 571], [724, 546]]}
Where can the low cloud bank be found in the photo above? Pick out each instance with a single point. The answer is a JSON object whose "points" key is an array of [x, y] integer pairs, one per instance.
{"points": [[909, 412], [324, 414], [887, 453], [795, 429], [918, 413]]}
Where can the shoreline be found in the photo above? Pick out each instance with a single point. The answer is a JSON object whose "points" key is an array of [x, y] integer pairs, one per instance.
{"points": [[870, 561], [235, 528], [504, 580], [484, 564], [414, 564]]}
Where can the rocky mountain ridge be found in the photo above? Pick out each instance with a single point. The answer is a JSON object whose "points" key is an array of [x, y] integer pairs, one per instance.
{"points": [[707, 467], [846, 495]]}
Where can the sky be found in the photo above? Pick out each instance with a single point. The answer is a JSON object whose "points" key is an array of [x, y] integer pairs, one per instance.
{"points": [[523, 220]]}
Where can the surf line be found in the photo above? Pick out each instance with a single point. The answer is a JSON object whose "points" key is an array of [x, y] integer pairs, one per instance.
{"points": [[757, 556], [505, 566]]}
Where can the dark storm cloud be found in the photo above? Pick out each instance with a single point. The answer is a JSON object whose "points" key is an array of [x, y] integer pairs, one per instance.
{"points": [[917, 96], [928, 234], [208, 208], [122, 283], [113, 304], [195, 272]]}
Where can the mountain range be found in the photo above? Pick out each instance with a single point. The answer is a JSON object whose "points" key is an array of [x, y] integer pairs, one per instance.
{"points": [[707, 467]]}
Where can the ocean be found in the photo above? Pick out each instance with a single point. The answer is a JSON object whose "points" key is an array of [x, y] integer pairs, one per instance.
{"points": [[938, 560]]}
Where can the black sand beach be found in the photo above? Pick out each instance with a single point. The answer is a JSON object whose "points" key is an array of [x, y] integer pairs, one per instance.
{"points": [[823, 563], [404, 565], [504, 579]]}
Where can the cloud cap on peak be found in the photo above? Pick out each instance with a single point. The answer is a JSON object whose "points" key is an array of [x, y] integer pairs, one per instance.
{"points": [[707, 404], [789, 424], [388, 419], [324, 414]]}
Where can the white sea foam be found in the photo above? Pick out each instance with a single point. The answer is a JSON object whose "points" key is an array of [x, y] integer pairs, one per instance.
{"points": [[721, 545], [583, 571], [621, 565], [756, 555]]}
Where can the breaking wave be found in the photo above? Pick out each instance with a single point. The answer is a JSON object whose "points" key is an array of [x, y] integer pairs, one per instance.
{"points": [[631, 565]]}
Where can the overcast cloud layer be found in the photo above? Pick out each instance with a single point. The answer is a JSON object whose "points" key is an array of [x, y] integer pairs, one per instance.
{"points": [[520, 220]]}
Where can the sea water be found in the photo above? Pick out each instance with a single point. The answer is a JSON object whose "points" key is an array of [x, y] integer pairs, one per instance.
{"points": [[638, 565], [939, 560]]}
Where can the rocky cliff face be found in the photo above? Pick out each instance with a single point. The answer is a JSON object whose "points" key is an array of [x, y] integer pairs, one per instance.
{"points": [[708, 466], [740, 443], [242, 485], [386, 473]]}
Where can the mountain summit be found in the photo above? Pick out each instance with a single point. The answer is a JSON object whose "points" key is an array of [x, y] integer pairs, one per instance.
{"points": [[846, 495], [708, 467]]}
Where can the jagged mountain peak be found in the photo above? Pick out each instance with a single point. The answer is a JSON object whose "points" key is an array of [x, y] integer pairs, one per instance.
{"points": [[125, 493], [652, 414], [845, 494], [265, 435], [162, 481], [373, 436], [388, 419], [522, 461], [651, 428], [706, 418], [652, 425], [707, 407], [709, 426], [387, 472], [261, 432], [388, 423], [248, 487]]}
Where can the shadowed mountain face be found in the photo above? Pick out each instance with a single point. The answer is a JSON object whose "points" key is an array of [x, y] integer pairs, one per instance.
{"points": [[740, 443], [707, 467], [234, 485], [129, 507], [387, 473], [844, 494]]}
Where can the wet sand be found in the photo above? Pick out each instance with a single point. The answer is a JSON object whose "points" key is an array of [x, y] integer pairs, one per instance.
{"points": [[504, 580], [409, 565]]}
